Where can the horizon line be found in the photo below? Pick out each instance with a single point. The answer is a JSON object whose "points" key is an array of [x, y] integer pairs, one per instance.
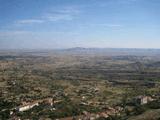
{"points": [[77, 48]]}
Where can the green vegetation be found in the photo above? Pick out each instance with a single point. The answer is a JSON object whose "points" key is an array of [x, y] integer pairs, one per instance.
{"points": [[82, 83]]}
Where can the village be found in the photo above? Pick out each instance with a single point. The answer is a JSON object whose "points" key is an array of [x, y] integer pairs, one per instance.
{"points": [[105, 112]]}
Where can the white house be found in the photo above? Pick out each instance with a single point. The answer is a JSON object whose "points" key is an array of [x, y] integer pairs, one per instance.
{"points": [[27, 107], [143, 99]]}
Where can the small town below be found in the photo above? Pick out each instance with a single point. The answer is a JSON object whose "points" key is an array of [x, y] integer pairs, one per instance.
{"points": [[73, 84]]}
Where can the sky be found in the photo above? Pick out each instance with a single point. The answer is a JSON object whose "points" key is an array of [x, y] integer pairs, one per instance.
{"points": [[52, 24]]}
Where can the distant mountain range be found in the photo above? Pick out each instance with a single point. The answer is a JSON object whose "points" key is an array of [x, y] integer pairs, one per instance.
{"points": [[90, 51], [112, 51]]}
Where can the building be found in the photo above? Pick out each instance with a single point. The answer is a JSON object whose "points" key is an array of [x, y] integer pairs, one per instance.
{"points": [[143, 99], [28, 105]]}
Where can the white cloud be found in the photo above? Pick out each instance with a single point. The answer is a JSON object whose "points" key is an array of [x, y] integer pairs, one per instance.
{"points": [[58, 17], [29, 21], [67, 10], [106, 3], [66, 13], [104, 25], [110, 25], [59, 14], [13, 33]]}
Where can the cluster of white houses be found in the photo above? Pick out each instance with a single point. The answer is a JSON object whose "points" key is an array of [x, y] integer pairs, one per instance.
{"points": [[86, 116], [28, 105]]}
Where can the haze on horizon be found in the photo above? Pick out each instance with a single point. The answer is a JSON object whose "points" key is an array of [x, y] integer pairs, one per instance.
{"points": [[36, 24]]}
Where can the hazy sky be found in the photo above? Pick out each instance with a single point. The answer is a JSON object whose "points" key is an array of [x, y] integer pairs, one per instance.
{"points": [[79, 23]]}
